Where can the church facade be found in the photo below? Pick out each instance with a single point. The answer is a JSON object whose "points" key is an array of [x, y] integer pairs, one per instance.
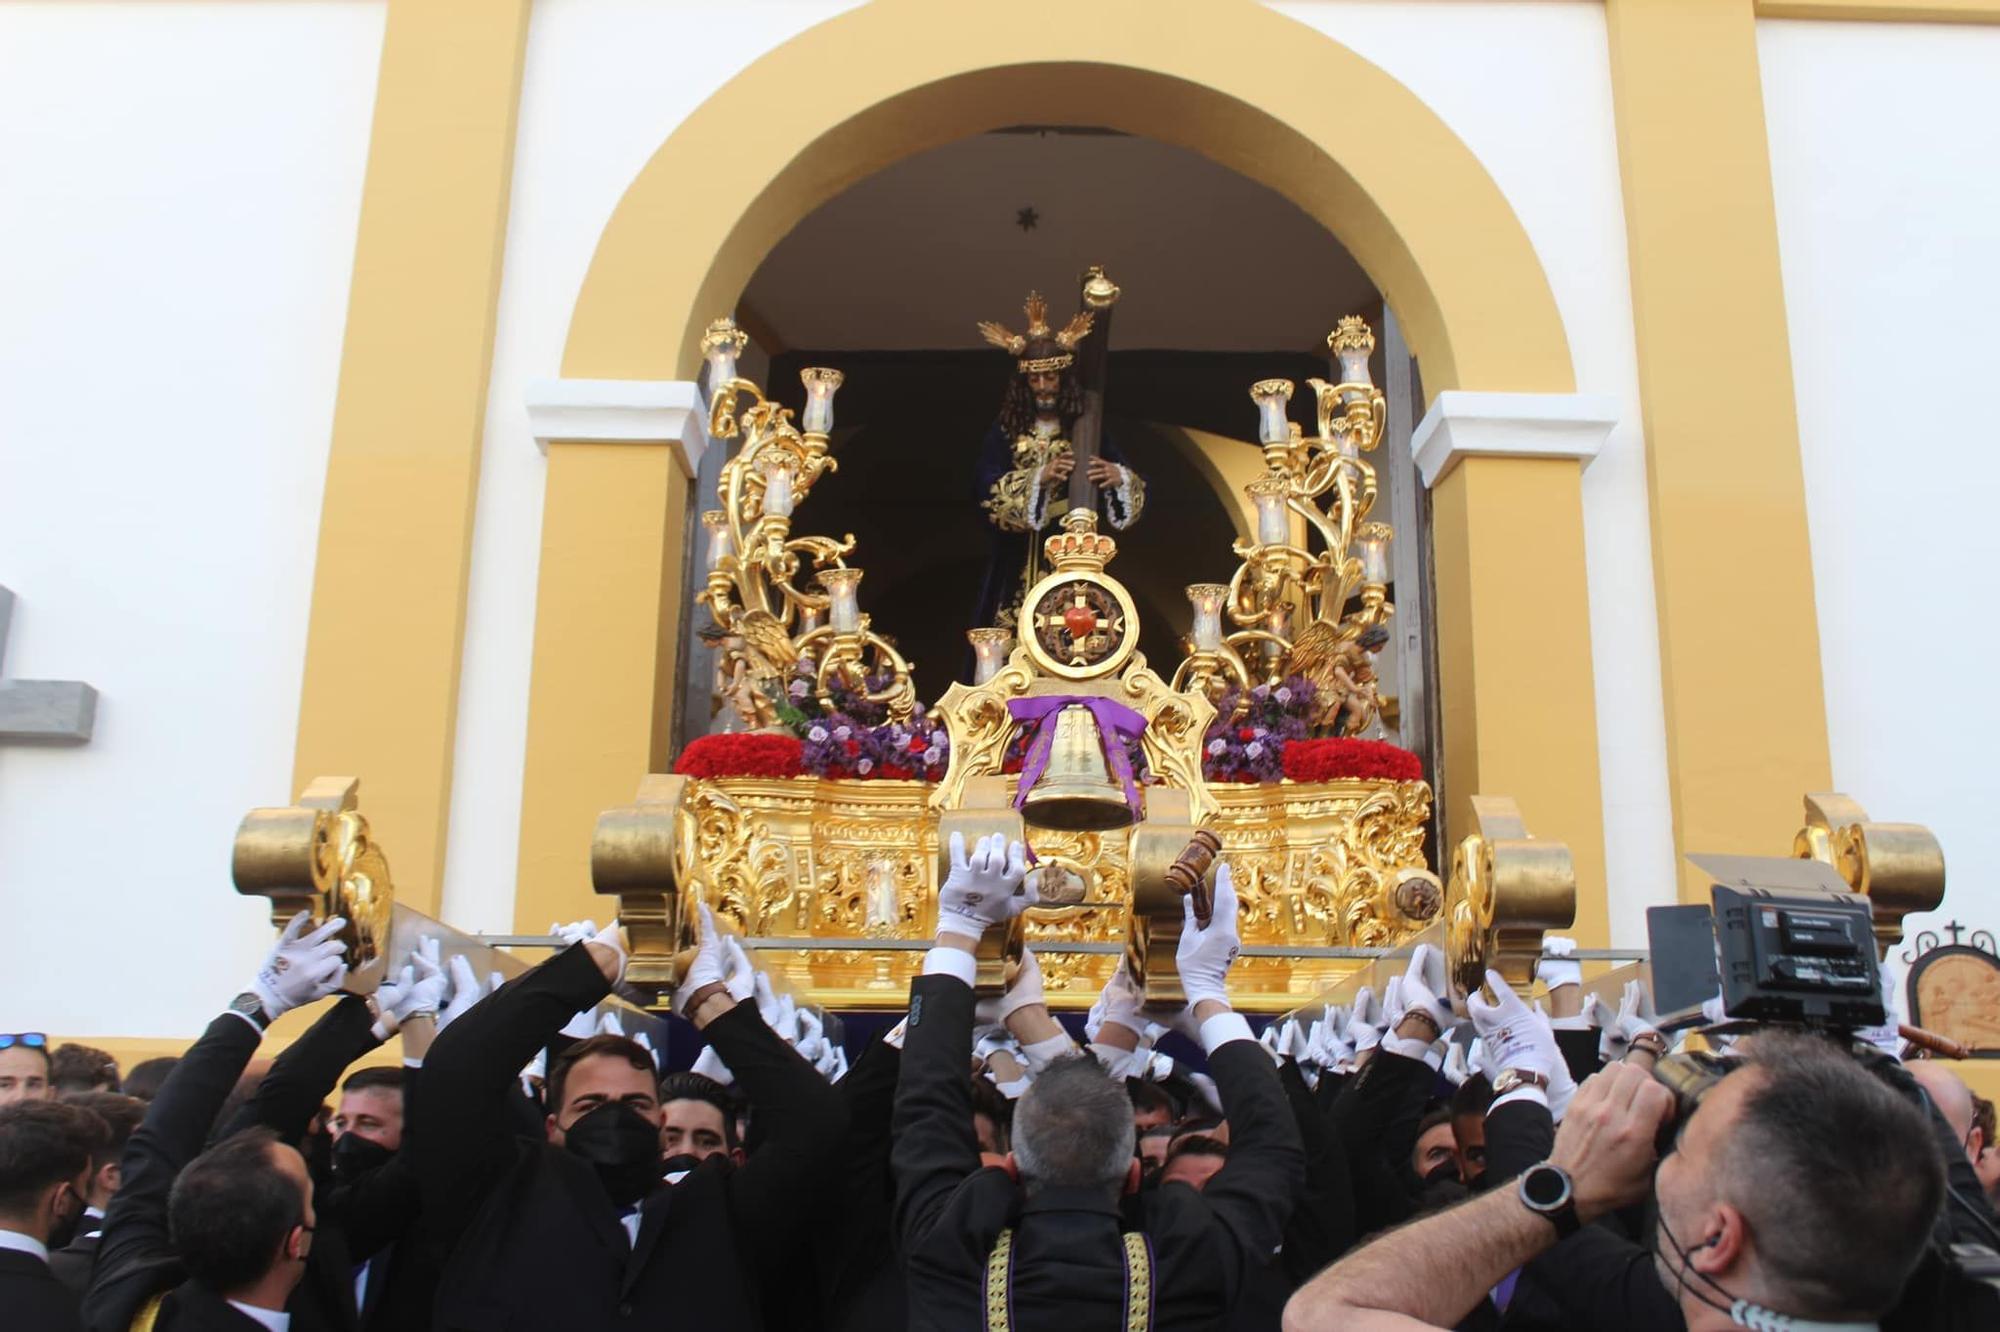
{"points": [[350, 365]]}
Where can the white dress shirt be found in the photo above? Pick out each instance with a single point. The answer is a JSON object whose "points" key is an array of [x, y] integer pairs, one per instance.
{"points": [[20, 1243]]}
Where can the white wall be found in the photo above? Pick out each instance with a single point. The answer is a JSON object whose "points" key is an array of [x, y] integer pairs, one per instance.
{"points": [[1883, 144], [1528, 88], [606, 82], [176, 236]]}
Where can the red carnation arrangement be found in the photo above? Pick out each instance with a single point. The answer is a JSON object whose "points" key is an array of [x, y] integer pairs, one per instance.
{"points": [[741, 756], [1330, 759]]}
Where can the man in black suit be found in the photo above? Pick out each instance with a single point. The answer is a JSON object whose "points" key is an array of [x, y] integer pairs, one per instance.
{"points": [[216, 1239], [578, 1230], [45, 1151], [1048, 1243], [121, 1114]]}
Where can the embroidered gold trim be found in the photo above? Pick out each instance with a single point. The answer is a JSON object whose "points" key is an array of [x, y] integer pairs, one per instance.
{"points": [[998, 1277]]}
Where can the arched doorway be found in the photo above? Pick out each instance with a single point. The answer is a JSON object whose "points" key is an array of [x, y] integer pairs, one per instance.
{"points": [[1242, 85]]}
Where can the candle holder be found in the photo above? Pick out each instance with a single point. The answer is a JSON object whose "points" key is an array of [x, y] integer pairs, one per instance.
{"points": [[989, 652], [755, 560], [1289, 605]]}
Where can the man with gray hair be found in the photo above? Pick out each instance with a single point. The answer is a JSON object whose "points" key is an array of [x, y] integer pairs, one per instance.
{"points": [[1060, 1236]]}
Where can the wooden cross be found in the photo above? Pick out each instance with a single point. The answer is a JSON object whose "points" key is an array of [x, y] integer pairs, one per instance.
{"points": [[42, 712]]}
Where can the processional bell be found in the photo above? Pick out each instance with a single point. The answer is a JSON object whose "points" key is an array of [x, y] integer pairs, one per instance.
{"points": [[1075, 792]]}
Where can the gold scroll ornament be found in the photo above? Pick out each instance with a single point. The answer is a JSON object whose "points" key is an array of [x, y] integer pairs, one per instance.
{"points": [[645, 855], [1898, 867], [317, 856], [1506, 888]]}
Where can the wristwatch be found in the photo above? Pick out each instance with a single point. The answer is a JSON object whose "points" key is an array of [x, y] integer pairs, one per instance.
{"points": [[250, 1006], [1514, 1079], [1545, 1190]]}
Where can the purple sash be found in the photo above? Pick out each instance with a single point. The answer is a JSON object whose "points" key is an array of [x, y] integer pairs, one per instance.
{"points": [[1116, 724]]}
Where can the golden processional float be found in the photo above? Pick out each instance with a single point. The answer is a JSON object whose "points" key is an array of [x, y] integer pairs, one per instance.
{"points": [[1067, 740]]}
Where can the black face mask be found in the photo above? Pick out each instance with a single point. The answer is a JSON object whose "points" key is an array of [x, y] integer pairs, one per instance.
{"points": [[623, 1146], [675, 1167], [355, 1156], [1440, 1173]]}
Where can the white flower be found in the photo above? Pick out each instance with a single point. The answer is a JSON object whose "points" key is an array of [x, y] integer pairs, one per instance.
{"points": [[937, 737], [1260, 733], [865, 767], [1216, 747], [1284, 694], [817, 735], [933, 754], [842, 732], [1253, 750], [798, 689]]}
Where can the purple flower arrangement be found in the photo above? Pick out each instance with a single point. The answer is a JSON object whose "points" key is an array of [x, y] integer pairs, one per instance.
{"points": [[1250, 746], [857, 739]]}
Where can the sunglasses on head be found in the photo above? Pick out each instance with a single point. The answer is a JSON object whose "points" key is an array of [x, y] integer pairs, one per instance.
{"points": [[34, 1040]]}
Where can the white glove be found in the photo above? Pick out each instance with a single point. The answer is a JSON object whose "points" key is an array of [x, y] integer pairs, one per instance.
{"points": [[980, 890], [426, 997], [576, 932], [1327, 1044], [610, 1024], [1481, 1059], [612, 936], [1364, 1024], [1268, 1038], [1027, 986], [1558, 965], [711, 960], [465, 991], [1292, 1042], [1205, 955], [767, 999], [1121, 1001], [303, 967], [581, 1026], [1457, 1064], [834, 1066], [1635, 1015], [1517, 1036], [1597, 1013], [741, 976], [1421, 988], [812, 1036], [709, 1064]]}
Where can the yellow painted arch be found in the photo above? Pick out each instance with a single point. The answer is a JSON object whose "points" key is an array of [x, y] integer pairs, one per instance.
{"points": [[1249, 88]]}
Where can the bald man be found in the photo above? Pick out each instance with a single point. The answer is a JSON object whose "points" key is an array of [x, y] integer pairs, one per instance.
{"points": [[1953, 1099]]}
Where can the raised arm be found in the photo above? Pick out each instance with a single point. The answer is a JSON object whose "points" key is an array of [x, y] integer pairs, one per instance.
{"points": [[303, 1076], [464, 1133], [135, 1258]]}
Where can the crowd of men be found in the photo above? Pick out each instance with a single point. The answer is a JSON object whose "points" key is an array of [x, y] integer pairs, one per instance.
{"points": [[1396, 1163]]}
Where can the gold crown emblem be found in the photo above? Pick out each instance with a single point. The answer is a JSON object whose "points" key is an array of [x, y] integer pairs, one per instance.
{"points": [[1079, 546]]}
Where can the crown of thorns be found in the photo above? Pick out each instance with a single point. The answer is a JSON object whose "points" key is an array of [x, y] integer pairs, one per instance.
{"points": [[1036, 308]]}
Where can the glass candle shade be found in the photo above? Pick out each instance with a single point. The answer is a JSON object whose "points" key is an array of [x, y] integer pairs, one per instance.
{"points": [[1274, 522], [1271, 397], [778, 474], [989, 652], [720, 543], [842, 587], [1206, 599], [1352, 343], [1371, 546], [722, 344], [821, 384], [809, 618]]}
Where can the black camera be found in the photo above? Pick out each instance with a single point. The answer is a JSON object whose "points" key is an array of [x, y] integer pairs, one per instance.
{"points": [[1783, 941]]}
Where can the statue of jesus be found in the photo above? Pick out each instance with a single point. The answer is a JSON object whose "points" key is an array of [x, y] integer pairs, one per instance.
{"points": [[1026, 460]]}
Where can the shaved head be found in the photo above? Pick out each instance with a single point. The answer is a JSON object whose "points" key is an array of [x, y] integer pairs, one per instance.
{"points": [[1953, 1097]]}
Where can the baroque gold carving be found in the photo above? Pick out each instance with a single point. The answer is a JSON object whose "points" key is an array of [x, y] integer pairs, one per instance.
{"points": [[318, 856], [1898, 867]]}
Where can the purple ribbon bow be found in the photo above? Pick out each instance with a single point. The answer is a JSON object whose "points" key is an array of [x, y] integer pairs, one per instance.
{"points": [[1116, 724]]}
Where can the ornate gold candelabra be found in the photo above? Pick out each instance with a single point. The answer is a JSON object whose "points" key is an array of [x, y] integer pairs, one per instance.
{"points": [[1289, 603], [754, 560]]}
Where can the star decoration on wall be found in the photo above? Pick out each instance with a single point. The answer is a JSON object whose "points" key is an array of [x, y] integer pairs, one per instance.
{"points": [[1026, 218]]}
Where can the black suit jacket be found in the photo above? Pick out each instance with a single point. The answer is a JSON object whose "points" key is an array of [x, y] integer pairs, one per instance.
{"points": [[72, 1263], [194, 1309], [135, 1258], [1376, 1118], [31, 1297], [1068, 1260], [537, 1241]]}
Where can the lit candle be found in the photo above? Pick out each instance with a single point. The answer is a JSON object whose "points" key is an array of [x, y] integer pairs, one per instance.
{"points": [[1206, 598], [841, 585], [989, 652], [808, 619], [1274, 523], [1271, 397], [821, 384], [1371, 544], [720, 543], [777, 486]]}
